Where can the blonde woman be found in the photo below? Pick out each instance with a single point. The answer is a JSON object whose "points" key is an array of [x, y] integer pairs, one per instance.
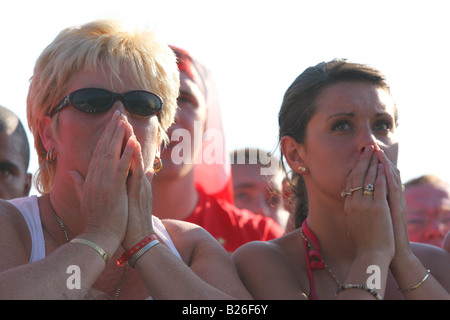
{"points": [[100, 101]]}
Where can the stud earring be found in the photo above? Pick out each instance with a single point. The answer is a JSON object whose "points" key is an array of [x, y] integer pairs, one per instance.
{"points": [[301, 169], [157, 165]]}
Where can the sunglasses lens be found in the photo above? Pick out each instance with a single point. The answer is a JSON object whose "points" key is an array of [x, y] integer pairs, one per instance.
{"points": [[143, 103], [92, 100]]}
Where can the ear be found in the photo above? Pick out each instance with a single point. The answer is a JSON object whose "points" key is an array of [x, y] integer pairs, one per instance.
{"points": [[45, 129], [293, 153]]}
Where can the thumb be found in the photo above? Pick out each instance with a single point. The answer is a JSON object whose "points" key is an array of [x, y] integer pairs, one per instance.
{"points": [[78, 182]]}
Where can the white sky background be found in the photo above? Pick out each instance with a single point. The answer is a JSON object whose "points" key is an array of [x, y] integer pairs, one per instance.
{"points": [[257, 48]]}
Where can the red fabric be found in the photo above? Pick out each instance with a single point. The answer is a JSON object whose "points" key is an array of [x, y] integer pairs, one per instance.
{"points": [[227, 193], [214, 178], [313, 258], [184, 61], [231, 226]]}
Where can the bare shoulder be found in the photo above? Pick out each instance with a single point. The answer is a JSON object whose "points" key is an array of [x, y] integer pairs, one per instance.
{"points": [[430, 255], [186, 231], [206, 257], [446, 243], [281, 251], [190, 238], [15, 241], [10, 218], [272, 269]]}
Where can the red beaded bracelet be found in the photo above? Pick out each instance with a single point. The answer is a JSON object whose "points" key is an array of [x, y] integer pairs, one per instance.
{"points": [[129, 253]]}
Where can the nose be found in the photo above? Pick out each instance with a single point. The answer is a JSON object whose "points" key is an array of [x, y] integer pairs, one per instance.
{"points": [[366, 139], [260, 207], [433, 232], [119, 105]]}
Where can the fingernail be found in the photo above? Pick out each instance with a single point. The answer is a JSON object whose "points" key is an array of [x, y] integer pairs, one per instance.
{"points": [[116, 115], [124, 117]]}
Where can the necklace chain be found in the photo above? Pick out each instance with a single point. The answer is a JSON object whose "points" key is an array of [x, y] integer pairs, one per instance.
{"points": [[66, 235], [61, 224], [327, 268]]}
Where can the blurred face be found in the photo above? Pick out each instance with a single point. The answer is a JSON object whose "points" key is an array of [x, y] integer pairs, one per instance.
{"points": [[428, 212], [349, 117], [261, 194], [78, 132], [14, 180], [187, 131]]}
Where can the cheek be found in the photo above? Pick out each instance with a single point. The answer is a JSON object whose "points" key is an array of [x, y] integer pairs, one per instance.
{"points": [[391, 152]]}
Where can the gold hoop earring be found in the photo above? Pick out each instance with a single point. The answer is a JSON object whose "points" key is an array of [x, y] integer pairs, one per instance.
{"points": [[51, 155], [157, 165]]}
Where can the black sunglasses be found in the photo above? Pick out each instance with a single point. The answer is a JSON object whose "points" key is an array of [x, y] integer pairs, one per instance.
{"points": [[94, 100]]}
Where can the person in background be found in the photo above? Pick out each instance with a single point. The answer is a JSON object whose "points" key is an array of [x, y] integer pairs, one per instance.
{"points": [[258, 179], [15, 180], [196, 167], [100, 101], [337, 133], [427, 209]]}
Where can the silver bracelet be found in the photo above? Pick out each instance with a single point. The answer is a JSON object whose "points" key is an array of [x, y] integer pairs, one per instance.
{"points": [[141, 252], [94, 246]]}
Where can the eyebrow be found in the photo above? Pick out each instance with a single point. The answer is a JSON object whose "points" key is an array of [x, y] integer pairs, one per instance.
{"points": [[8, 165], [245, 185], [352, 114]]}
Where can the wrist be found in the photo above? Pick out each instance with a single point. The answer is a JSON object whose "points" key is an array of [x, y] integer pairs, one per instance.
{"points": [[107, 243], [129, 242], [403, 259], [138, 249]]}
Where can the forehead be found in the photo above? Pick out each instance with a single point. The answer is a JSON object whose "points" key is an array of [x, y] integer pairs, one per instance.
{"points": [[251, 174], [351, 96], [10, 149], [427, 194]]}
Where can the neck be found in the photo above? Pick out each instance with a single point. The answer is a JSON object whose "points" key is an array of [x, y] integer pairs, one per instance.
{"points": [[328, 222], [174, 198], [62, 201]]}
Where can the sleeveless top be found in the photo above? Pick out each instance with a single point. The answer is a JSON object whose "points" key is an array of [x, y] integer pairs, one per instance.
{"points": [[29, 208]]}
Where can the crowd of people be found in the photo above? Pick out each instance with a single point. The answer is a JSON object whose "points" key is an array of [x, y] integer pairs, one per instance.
{"points": [[138, 189]]}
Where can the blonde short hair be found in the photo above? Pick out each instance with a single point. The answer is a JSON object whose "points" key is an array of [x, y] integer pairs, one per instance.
{"points": [[88, 48]]}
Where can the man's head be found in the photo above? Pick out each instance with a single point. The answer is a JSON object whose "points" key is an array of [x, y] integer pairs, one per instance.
{"points": [[15, 181]]}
